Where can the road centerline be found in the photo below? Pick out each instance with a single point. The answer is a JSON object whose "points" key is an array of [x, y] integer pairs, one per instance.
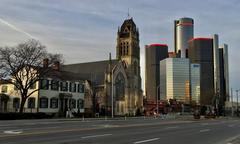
{"points": [[172, 127], [145, 141], [94, 136], [204, 130]]}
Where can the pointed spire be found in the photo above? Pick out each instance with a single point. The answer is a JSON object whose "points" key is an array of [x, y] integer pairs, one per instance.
{"points": [[128, 14]]}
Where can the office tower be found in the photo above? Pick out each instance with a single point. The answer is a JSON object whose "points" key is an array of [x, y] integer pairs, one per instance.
{"points": [[224, 76], [216, 64], [183, 32], [174, 79], [195, 83], [201, 52], [154, 54]]}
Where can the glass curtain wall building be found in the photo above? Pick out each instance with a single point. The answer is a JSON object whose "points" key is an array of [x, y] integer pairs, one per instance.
{"points": [[175, 79], [195, 83]]}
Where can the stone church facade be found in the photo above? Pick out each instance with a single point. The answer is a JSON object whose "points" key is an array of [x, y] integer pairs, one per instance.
{"points": [[115, 83]]}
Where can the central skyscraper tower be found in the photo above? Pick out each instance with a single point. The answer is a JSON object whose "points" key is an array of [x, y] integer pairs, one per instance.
{"points": [[183, 32]]}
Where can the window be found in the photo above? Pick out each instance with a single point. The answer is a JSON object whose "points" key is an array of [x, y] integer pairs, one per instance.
{"points": [[54, 103], [80, 88], [43, 102], [64, 86], [120, 50], [44, 84], [4, 89], [54, 85], [31, 102], [72, 87], [120, 87], [16, 103], [80, 104], [73, 103]]}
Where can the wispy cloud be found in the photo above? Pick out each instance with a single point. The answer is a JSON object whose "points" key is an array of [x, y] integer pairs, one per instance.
{"points": [[17, 29]]}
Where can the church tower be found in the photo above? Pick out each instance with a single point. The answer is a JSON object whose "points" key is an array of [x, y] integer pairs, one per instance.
{"points": [[128, 51]]}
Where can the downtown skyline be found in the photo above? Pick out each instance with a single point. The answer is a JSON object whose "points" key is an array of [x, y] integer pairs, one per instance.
{"points": [[86, 31]]}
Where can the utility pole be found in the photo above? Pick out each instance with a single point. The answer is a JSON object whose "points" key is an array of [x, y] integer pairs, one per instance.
{"points": [[232, 102], [112, 96], [237, 101]]}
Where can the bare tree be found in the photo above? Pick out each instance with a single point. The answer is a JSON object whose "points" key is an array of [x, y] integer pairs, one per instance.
{"points": [[23, 66]]}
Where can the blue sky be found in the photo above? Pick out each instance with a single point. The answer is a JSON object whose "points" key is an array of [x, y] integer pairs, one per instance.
{"points": [[85, 30]]}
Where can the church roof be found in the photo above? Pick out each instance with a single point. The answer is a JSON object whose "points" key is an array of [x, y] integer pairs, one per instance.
{"points": [[65, 75], [129, 21], [93, 71]]}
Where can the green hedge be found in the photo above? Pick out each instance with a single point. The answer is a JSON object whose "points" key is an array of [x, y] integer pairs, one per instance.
{"points": [[17, 116]]}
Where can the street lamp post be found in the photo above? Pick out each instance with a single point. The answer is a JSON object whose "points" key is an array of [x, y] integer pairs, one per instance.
{"points": [[112, 91], [232, 102], [112, 95], [237, 101]]}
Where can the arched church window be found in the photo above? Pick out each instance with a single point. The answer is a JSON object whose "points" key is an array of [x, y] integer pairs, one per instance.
{"points": [[120, 87], [120, 50]]}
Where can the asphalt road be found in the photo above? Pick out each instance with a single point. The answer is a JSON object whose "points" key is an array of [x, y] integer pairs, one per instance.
{"points": [[120, 131]]}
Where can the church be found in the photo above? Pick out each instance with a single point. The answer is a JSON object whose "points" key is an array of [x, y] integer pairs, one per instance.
{"points": [[115, 83]]}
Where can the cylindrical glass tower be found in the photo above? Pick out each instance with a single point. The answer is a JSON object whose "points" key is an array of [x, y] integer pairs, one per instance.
{"points": [[183, 32]]}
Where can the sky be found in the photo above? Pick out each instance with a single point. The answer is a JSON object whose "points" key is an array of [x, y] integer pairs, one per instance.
{"points": [[86, 30]]}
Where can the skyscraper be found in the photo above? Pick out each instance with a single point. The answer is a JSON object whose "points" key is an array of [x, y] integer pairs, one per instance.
{"points": [[175, 79], [201, 52], [154, 53], [224, 76], [183, 32], [216, 64]]}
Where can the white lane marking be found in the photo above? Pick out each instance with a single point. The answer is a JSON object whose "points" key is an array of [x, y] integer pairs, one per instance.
{"points": [[5, 125], [38, 128], [93, 136], [50, 123], [173, 127], [205, 124], [231, 125], [204, 130], [148, 140], [12, 131]]}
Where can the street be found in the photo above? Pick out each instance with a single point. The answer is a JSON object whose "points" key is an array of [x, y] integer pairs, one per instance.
{"points": [[120, 131]]}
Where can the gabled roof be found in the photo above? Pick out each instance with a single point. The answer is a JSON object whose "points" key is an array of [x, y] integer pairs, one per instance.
{"points": [[93, 71], [64, 75]]}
